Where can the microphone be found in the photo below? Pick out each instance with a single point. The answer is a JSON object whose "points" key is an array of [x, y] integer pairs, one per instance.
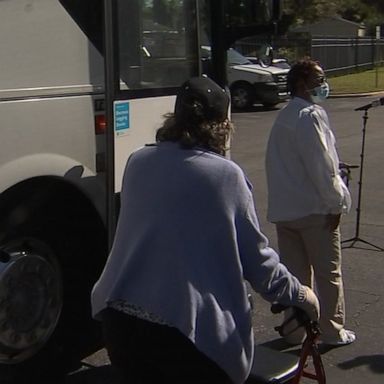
{"points": [[374, 103]]}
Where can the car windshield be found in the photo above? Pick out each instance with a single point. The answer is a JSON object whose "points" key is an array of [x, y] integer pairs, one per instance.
{"points": [[236, 58]]}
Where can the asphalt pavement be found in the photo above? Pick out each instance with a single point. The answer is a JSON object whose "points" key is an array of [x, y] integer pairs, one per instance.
{"points": [[363, 257]]}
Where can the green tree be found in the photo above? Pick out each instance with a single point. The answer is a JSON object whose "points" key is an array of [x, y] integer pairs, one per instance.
{"points": [[246, 12], [308, 11], [299, 12], [372, 11]]}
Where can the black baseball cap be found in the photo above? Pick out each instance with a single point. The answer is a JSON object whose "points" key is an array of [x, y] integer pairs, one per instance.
{"points": [[201, 99]]}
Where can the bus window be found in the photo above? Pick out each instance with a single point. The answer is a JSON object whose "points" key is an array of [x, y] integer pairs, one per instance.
{"points": [[163, 51]]}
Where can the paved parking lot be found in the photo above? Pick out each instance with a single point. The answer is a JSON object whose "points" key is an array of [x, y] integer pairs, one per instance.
{"points": [[363, 264]]}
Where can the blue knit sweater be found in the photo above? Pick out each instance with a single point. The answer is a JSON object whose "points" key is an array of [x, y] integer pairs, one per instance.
{"points": [[187, 239]]}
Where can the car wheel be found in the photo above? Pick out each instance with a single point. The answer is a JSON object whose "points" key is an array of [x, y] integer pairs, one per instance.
{"points": [[241, 96]]}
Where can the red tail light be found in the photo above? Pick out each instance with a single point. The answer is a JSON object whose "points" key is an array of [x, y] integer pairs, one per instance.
{"points": [[100, 124]]}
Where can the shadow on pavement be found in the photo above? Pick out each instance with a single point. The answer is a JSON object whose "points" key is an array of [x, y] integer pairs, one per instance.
{"points": [[374, 362], [256, 108], [278, 344]]}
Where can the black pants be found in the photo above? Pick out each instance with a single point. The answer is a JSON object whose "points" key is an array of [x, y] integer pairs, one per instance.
{"points": [[143, 352]]}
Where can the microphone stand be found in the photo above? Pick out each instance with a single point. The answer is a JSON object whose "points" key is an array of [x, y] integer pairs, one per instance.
{"points": [[356, 238]]}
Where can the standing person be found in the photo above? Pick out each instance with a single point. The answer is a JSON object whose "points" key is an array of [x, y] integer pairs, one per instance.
{"points": [[306, 195], [172, 297]]}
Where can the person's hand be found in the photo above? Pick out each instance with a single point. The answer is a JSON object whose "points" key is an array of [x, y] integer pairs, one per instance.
{"points": [[310, 305], [333, 221], [293, 329]]}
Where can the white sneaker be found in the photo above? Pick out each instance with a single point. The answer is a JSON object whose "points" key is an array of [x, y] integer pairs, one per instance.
{"points": [[346, 337]]}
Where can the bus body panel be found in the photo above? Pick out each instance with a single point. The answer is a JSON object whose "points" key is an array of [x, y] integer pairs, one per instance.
{"points": [[129, 139], [50, 137], [42, 46], [61, 125], [50, 77], [52, 187]]}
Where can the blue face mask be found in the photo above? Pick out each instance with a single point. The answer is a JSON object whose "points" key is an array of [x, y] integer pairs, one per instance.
{"points": [[320, 93]]}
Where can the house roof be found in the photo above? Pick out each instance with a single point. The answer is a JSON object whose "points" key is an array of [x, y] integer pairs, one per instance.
{"points": [[331, 19]]}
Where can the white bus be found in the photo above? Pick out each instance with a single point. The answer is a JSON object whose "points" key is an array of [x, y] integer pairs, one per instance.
{"points": [[63, 64]]}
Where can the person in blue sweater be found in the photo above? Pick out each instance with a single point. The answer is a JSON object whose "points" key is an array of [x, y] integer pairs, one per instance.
{"points": [[172, 297]]}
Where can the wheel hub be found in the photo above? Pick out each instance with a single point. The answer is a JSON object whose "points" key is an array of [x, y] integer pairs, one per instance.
{"points": [[30, 304], [240, 97]]}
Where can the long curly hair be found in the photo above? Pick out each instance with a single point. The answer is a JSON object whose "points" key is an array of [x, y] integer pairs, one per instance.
{"points": [[210, 135]]}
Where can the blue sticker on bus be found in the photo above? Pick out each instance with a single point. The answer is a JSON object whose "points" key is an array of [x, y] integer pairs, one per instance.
{"points": [[121, 116]]}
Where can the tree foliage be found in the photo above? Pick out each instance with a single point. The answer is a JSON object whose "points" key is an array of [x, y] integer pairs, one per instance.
{"points": [[308, 11], [295, 12], [298, 12]]}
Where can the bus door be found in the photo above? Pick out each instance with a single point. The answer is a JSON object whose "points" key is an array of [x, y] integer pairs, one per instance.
{"points": [[151, 48]]}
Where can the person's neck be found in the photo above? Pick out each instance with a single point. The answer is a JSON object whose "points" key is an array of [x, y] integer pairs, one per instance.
{"points": [[303, 95]]}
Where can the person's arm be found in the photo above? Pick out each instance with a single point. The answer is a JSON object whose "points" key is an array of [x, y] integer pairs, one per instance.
{"points": [[263, 270], [318, 154]]}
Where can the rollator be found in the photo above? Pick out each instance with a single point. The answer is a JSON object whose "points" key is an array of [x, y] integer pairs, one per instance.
{"points": [[272, 366]]}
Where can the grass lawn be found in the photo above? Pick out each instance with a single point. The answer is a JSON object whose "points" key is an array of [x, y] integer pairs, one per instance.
{"points": [[362, 82]]}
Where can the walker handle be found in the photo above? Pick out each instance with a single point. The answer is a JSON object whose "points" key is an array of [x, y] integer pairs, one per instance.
{"points": [[299, 314], [311, 327]]}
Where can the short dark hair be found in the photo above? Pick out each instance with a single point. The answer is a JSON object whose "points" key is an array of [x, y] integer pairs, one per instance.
{"points": [[301, 70]]}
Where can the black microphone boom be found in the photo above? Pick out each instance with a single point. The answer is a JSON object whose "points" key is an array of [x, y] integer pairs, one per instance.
{"points": [[374, 103]]}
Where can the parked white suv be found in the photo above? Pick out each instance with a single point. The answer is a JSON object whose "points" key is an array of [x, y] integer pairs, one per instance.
{"points": [[251, 83]]}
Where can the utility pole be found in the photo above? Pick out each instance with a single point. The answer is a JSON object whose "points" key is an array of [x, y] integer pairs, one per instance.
{"points": [[378, 35]]}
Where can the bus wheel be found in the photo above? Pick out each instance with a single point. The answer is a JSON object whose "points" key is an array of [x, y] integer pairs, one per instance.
{"points": [[30, 299], [46, 277]]}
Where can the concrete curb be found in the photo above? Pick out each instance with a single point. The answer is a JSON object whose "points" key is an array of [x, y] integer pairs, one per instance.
{"points": [[340, 95]]}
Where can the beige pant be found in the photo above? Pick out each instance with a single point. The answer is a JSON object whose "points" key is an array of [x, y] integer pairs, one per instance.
{"points": [[312, 253]]}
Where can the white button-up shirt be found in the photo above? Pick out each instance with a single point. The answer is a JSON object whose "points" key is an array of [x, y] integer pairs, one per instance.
{"points": [[302, 165]]}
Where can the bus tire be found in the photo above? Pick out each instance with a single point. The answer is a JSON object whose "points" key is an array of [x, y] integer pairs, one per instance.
{"points": [[59, 267]]}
